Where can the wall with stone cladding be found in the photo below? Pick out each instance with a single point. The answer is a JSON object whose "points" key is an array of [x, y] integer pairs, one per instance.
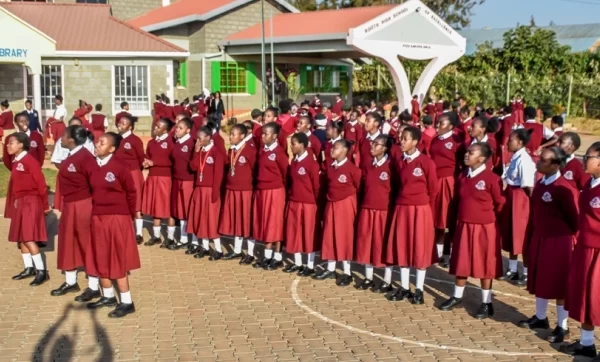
{"points": [[11, 86]]}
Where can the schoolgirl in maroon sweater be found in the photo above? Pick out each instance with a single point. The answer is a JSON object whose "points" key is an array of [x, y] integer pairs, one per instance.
{"points": [[573, 170], [305, 125], [411, 239], [74, 233], [236, 215], [269, 197], [156, 197], [203, 218], [343, 183], [334, 133], [132, 154], [113, 252], [301, 225], [372, 130], [29, 206], [373, 217], [476, 249]]}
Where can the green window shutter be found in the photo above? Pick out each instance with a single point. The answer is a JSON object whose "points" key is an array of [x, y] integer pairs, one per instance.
{"points": [[303, 76], [251, 78], [215, 78], [183, 74]]}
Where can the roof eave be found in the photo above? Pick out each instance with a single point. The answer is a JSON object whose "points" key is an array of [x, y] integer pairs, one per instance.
{"points": [[284, 39], [118, 54]]}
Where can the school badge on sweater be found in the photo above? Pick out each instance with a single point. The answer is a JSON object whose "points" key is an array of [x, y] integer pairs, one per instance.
{"points": [[301, 171], [546, 197], [110, 177], [127, 146], [595, 203], [569, 175], [20, 167], [342, 179], [480, 185], [417, 172]]}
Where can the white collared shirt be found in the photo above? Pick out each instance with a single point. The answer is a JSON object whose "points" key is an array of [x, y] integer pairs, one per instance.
{"points": [[548, 133], [271, 147], [477, 171], [595, 182], [353, 123], [467, 120], [161, 138], [60, 153], [412, 157], [380, 162], [337, 164], [126, 134], [308, 133], [570, 158], [20, 156], [28, 133], [301, 157], [239, 145], [551, 179], [335, 139], [386, 128], [521, 171], [372, 137], [446, 135], [103, 162], [483, 140], [207, 147], [558, 129], [60, 112], [246, 139], [75, 150], [183, 139]]}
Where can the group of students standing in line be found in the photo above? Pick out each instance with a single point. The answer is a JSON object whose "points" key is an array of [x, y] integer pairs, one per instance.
{"points": [[380, 200]]}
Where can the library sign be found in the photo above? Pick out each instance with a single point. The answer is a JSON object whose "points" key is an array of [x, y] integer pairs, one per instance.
{"points": [[13, 53]]}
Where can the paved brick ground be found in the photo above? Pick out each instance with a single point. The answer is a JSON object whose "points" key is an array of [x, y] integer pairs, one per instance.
{"points": [[197, 310]]}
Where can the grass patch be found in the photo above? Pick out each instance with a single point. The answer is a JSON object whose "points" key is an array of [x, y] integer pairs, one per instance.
{"points": [[49, 174], [585, 125]]}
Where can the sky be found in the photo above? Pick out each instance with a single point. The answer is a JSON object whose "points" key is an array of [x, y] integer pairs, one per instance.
{"points": [[507, 13]]}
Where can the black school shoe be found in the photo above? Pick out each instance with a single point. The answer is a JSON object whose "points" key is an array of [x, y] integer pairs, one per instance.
{"points": [[343, 280], [247, 260], [576, 349], [261, 264], [215, 255], [292, 268], [41, 277], [88, 295], [381, 287], [274, 265], [535, 323], [192, 249], [325, 274], [365, 284], [558, 335], [167, 243], [177, 246], [103, 302], [510, 276], [306, 272], [122, 310], [418, 297], [232, 255], [139, 239], [450, 304], [201, 253], [65, 289], [153, 241], [398, 294], [26, 273], [485, 310]]}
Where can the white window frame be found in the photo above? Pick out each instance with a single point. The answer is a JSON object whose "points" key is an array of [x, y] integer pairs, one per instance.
{"points": [[50, 112], [116, 105]]}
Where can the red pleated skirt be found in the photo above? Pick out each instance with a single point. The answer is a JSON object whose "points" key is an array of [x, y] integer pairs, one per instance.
{"points": [[370, 237], [549, 262], [203, 218], [58, 199], [236, 215], [412, 237], [181, 194], [9, 205], [74, 234], [338, 229], [269, 208], [514, 219], [301, 227], [584, 286], [138, 181], [476, 251], [112, 251], [28, 221], [55, 130], [156, 198], [444, 200]]}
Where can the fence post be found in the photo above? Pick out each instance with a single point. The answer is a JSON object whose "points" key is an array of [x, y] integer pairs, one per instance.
{"points": [[508, 88], [570, 93], [378, 81]]}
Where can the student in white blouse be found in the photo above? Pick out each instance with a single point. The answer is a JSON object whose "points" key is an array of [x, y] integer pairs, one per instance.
{"points": [[60, 153], [520, 178]]}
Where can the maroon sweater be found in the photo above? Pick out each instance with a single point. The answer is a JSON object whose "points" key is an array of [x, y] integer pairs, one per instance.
{"points": [[131, 151], [343, 181], [74, 176], [354, 133], [209, 167], [377, 186], [589, 216], [554, 209], [272, 169], [480, 197], [447, 154], [113, 190], [536, 137], [315, 146], [303, 184], [575, 174], [243, 168], [418, 181], [181, 155], [27, 179], [159, 152]]}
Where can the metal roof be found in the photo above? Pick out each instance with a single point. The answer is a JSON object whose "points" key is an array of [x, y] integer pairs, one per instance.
{"points": [[579, 37]]}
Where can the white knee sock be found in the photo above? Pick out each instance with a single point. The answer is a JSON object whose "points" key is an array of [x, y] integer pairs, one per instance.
{"points": [[369, 271], [587, 337], [156, 231], [420, 279], [27, 260], [126, 298], [139, 226], [251, 242], [268, 253], [562, 317], [541, 308], [205, 245], [458, 292], [93, 283], [38, 261], [512, 265], [405, 278], [237, 248], [486, 296], [217, 242], [440, 249], [184, 234], [311, 261], [195, 240], [331, 265], [108, 292], [170, 232], [387, 275], [278, 256], [346, 264], [71, 277], [298, 259]]}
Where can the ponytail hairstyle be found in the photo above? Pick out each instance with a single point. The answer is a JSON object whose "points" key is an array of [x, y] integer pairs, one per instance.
{"points": [[523, 135], [79, 134], [5, 103], [116, 139]]}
